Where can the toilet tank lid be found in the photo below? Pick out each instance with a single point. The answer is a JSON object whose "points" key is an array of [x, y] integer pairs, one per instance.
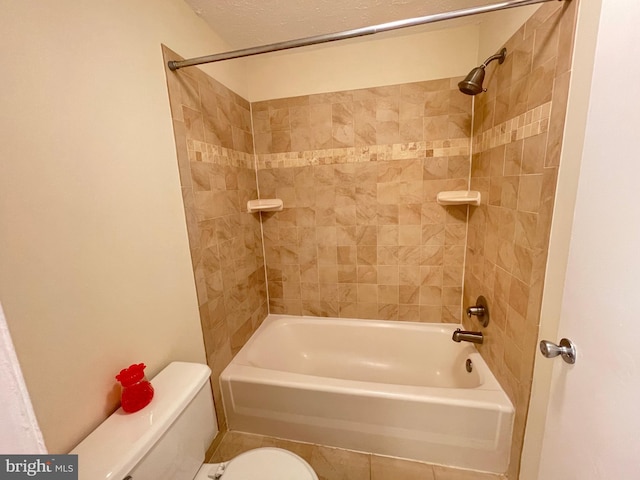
{"points": [[112, 450]]}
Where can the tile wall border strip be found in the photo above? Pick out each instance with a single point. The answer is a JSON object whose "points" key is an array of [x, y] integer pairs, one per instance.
{"points": [[531, 123]]}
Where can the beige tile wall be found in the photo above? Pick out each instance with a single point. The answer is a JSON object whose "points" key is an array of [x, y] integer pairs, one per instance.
{"points": [[339, 464], [516, 145], [214, 144], [361, 234]]}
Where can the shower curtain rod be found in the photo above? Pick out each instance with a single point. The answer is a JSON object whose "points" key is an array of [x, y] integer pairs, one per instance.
{"points": [[358, 32]]}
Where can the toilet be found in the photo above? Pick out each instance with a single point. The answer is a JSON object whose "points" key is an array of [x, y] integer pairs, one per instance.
{"points": [[168, 439]]}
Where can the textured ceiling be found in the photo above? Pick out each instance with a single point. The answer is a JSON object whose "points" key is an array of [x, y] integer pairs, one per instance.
{"points": [[248, 23]]}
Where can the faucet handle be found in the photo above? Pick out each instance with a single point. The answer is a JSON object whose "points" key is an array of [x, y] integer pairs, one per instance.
{"points": [[480, 310]]}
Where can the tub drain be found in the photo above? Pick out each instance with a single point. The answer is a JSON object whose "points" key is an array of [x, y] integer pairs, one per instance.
{"points": [[469, 365]]}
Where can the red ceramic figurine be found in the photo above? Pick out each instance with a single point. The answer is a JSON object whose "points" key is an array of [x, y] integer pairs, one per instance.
{"points": [[137, 392]]}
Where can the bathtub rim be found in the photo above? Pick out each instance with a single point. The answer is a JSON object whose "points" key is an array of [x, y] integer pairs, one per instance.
{"points": [[304, 426], [493, 394]]}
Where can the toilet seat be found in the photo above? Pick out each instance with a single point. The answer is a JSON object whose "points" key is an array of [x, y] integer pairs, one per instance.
{"points": [[264, 464]]}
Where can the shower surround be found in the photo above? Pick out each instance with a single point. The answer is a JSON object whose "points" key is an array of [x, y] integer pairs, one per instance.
{"points": [[214, 145], [361, 234]]}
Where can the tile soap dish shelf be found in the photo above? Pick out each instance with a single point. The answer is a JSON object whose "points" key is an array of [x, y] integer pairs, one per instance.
{"points": [[470, 197], [265, 205]]}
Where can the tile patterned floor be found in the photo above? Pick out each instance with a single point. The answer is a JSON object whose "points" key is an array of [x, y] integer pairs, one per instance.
{"points": [[338, 464]]}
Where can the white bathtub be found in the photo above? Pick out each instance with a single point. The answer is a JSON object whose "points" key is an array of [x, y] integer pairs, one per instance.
{"points": [[390, 388]]}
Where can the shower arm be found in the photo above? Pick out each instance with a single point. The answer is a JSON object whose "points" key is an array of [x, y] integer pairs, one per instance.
{"points": [[359, 32], [500, 56]]}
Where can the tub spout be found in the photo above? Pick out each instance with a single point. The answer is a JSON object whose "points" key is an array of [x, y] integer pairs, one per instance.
{"points": [[464, 336]]}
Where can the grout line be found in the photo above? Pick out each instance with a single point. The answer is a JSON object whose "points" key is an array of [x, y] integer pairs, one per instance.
{"points": [[466, 234], [264, 252]]}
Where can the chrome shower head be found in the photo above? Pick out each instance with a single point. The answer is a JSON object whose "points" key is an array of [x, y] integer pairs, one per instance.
{"points": [[472, 84]]}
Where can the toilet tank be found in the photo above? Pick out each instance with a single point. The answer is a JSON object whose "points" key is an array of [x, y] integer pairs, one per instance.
{"points": [[165, 440]]}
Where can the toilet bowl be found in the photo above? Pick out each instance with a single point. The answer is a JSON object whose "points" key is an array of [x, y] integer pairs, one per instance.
{"points": [[261, 463], [168, 439]]}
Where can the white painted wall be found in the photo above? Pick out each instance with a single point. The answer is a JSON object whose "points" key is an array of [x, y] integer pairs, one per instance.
{"points": [[592, 426], [95, 270], [384, 59]]}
